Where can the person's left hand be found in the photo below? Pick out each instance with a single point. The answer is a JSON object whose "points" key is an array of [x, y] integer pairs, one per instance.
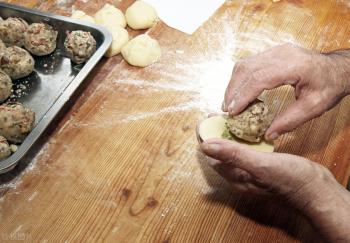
{"points": [[296, 179]]}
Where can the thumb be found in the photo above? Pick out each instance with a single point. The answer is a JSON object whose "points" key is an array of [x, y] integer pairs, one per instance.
{"points": [[235, 154], [301, 111]]}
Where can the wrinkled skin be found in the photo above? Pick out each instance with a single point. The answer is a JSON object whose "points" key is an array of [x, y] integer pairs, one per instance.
{"points": [[320, 81]]}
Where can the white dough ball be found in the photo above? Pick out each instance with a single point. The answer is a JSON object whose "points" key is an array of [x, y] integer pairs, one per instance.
{"points": [[120, 38], [110, 16], [141, 15], [141, 51], [81, 15]]}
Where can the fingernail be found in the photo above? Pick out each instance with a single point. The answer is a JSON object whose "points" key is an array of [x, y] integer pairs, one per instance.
{"points": [[212, 147], [231, 106], [273, 136]]}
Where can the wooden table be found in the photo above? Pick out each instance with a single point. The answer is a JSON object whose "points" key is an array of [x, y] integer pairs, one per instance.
{"points": [[122, 165]]}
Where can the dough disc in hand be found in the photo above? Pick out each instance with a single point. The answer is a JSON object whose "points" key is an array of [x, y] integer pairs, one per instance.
{"points": [[214, 127]]}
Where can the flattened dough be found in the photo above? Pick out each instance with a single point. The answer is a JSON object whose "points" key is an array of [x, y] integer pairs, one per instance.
{"points": [[214, 127]]}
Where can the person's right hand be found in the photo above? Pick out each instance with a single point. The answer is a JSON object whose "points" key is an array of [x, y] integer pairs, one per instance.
{"points": [[320, 81], [306, 185]]}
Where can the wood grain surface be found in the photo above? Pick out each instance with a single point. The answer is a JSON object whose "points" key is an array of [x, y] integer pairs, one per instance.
{"points": [[122, 164]]}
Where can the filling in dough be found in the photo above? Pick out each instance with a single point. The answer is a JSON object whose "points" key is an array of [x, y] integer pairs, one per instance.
{"points": [[215, 127], [251, 124], [16, 122], [80, 46]]}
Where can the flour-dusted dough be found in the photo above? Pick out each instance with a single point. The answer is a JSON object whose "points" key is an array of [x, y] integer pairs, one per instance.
{"points": [[214, 127], [120, 38], [141, 15], [81, 15], [141, 51], [110, 16]]}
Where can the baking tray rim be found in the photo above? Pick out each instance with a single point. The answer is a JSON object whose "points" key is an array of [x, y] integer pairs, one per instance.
{"points": [[9, 163]]}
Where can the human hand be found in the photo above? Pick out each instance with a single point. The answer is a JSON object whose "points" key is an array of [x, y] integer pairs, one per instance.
{"points": [[307, 186], [320, 82]]}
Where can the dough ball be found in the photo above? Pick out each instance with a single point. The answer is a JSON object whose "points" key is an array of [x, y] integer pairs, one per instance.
{"points": [[17, 62], [141, 15], [141, 51], [252, 123], [80, 46], [120, 38], [5, 150], [82, 16], [5, 86], [12, 31], [16, 122], [110, 16], [40, 39], [2, 46]]}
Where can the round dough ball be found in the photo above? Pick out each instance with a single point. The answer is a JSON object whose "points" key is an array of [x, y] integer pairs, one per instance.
{"points": [[40, 39], [17, 62], [81, 15], [120, 38], [80, 46], [5, 150], [252, 123], [12, 31], [110, 16], [141, 51], [5, 86], [141, 15], [16, 122]]}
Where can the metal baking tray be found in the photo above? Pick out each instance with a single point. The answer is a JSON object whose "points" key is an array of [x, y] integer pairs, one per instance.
{"points": [[55, 78]]}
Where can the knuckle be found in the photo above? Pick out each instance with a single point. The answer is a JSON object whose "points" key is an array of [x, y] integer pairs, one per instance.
{"points": [[235, 157]]}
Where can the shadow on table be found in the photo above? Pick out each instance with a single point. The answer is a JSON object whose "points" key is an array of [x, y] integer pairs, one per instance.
{"points": [[262, 211]]}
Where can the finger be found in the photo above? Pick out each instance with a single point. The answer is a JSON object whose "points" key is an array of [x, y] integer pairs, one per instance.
{"points": [[301, 111], [232, 174], [236, 156], [244, 69], [264, 79]]}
